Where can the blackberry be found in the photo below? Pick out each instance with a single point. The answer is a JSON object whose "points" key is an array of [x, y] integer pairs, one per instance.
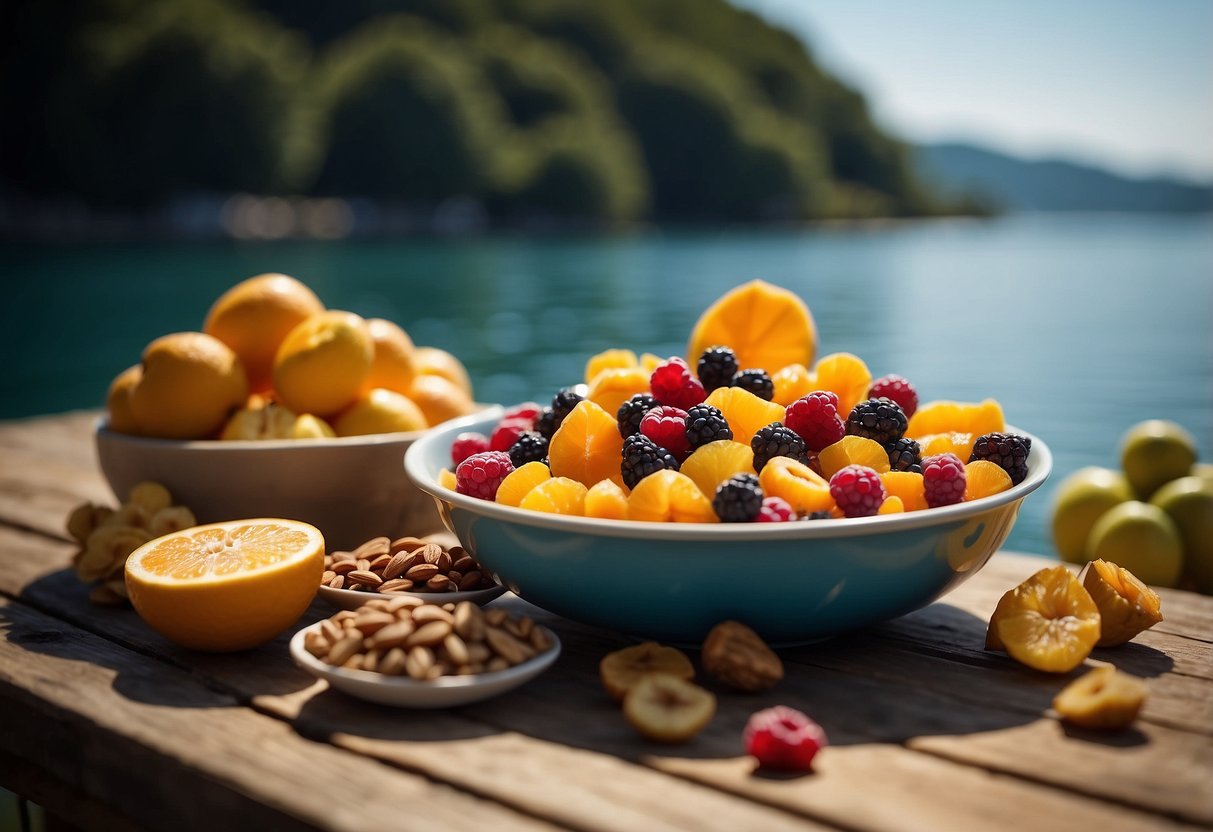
{"points": [[777, 439], [716, 368], [738, 499], [1009, 451], [641, 457], [818, 515], [880, 419], [706, 424], [757, 382], [545, 423], [632, 411], [528, 447], [564, 402], [905, 455]]}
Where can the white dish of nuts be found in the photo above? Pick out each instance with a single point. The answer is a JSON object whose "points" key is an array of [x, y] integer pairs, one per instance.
{"points": [[408, 566], [404, 652]]}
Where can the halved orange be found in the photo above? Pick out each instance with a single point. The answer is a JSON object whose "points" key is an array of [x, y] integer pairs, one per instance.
{"points": [[766, 326], [226, 586]]}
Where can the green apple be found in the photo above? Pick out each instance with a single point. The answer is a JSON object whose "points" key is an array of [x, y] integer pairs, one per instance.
{"points": [[1155, 452], [1188, 501], [1204, 470], [1143, 539], [1081, 499]]}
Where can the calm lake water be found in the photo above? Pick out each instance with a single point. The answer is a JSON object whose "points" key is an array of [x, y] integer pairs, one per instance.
{"points": [[1080, 326]]}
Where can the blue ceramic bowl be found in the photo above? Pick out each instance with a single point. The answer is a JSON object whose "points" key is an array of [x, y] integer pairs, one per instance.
{"points": [[792, 582]]}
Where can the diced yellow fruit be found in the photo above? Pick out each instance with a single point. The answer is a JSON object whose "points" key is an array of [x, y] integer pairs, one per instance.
{"points": [[745, 412], [946, 416], [950, 442], [791, 383], [587, 446], [447, 479], [805, 491], [613, 386], [891, 505], [711, 464], [609, 360], [557, 495], [853, 450], [519, 482], [906, 485], [606, 501], [846, 376], [984, 479], [669, 497]]}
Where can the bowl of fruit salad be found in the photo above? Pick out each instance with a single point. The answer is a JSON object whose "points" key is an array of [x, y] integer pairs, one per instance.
{"points": [[665, 496]]}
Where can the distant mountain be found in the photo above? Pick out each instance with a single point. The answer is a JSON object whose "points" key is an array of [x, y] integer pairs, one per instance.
{"points": [[1016, 184]]}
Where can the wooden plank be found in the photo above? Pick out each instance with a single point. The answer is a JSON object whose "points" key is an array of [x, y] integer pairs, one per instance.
{"points": [[117, 726], [68, 805]]}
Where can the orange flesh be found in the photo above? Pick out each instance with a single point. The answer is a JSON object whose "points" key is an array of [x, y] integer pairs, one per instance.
{"points": [[214, 552]]}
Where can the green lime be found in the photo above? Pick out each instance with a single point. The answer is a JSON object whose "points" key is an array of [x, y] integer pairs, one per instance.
{"points": [[1081, 499], [1188, 501], [1204, 470], [1155, 452], [1141, 538]]}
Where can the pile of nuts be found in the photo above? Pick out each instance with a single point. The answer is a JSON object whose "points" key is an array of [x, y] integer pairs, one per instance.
{"points": [[404, 636], [407, 564]]}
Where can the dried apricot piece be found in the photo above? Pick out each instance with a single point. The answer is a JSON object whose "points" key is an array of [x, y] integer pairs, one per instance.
{"points": [[621, 669], [847, 377], [984, 479], [519, 482], [767, 327], [667, 709], [612, 359], [558, 495], [669, 497], [711, 464], [745, 412], [1104, 699], [853, 450], [1126, 605], [804, 489], [606, 501], [614, 386], [906, 485], [587, 446], [791, 383], [961, 417], [1048, 622]]}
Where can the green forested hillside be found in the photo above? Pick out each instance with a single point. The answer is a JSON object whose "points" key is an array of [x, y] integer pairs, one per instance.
{"points": [[683, 110]]}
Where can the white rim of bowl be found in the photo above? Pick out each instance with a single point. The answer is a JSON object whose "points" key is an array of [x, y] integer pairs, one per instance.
{"points": [[101, 427], [300, 654], [1040, 464]]}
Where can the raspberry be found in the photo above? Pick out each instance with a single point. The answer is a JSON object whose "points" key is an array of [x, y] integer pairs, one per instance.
{"points": [[858, 491], [777, 439], [716, 367], [673, 384], [905, 455], [545, 423], [507, 432], [526, 410], [879, 419], [815, 418], [738, 499], [757, 382], [1008, 451], [641, 457], [943, 480], [783, 738], [466, 444], [529, 447], [481, 474], [632, 411], [563, 403], [775, 510], [706, 424], [667, 426], [898, 389]]}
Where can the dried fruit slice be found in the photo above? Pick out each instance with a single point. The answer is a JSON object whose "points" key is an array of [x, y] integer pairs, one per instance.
{"points": [[621, 669], [797, 483], [715, 462], [587, 446], [1048, 622], [668, 709], [519, 482], [1126, 605], [961, 417], [847, 377], [669, 497], [853, 450], [766, 326], [906, 485], [984, 479], [606, 501], [745, 412], [558, 495], [791, 383], [1104, 699]]}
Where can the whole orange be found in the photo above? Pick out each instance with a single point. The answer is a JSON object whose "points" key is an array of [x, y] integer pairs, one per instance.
{"points": [[392, 367], [323, 363], [189, 384]]}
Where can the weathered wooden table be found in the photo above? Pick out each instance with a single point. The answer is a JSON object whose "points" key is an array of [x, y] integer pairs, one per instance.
{"points": [[108, 725]]}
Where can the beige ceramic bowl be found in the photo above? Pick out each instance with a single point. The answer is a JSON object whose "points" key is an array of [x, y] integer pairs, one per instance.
{"points": [[352, 488]]}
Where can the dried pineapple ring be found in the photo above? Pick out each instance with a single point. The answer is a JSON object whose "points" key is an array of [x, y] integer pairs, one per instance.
{"points": [[1103, 699], [1048, 622], [1126, 605], [107, 549], [621, 669]]}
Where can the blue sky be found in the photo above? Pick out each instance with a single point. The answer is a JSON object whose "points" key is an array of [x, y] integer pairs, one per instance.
{"points": [[1124, 83]]}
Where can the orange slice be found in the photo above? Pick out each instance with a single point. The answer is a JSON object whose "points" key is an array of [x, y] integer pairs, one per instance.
{"points": [[891, 505], [587, 446], [669, 497], [906, 486], [613, 386], [853, 450], [791, 383], [519, 482], [226, 586], [797, 483], [766, 326], [609, 360], [606, 501], [951, 442], [959, 417], [710, 465], [984, 478], [447, 479], [745, 412], [847, 377], [557, 495], [1049, 622]]}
